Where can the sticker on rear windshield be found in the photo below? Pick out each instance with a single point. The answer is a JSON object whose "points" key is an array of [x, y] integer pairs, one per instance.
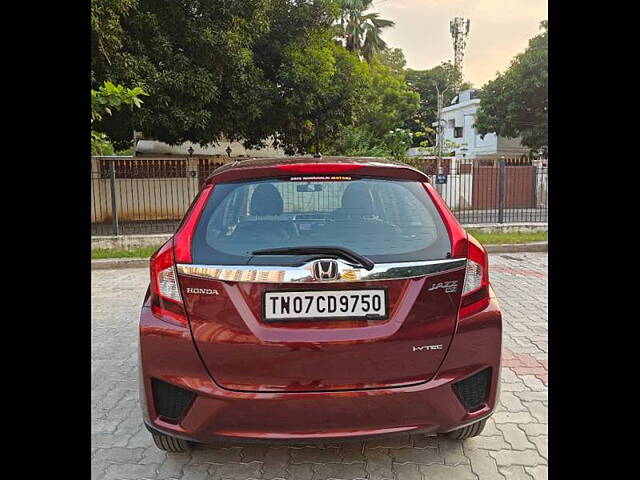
{"points": [[337, 178]]}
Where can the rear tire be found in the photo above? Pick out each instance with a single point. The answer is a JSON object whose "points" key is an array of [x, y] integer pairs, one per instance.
{"points": [[469, 431], [170, 444]]}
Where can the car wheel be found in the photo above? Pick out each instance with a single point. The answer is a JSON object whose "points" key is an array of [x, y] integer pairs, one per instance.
{"points": [[170, 444], [468, 431]]}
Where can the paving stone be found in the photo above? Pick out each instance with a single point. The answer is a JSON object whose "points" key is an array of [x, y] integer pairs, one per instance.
{"points": [[255, 453], [534, 429], [195, 472], [515, 472], [515, 437], [390, 442], [414, 455], [236, 471], [118, 455], [542, 444], [447, 472], [511, 402], [204, 454], [315, 455], [129, 471], [407, 471], [352, 452], [533, 383], [539, 472], [529, 396], [513, 417], [529, 458], [482, 464], [452, 451], [483, 442], [302, 471], [276, 462], [340, 471], [378, 464], [538, 410]]}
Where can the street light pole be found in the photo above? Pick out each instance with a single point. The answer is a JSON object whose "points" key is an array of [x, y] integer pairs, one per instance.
{"points": [[439, 137]]}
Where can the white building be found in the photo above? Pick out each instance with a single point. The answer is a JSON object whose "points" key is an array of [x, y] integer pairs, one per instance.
{"points": [[154, 147], [458, 123]]}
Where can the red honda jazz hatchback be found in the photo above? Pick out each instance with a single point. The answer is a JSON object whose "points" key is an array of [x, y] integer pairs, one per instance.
{"points": [[319, 298]]}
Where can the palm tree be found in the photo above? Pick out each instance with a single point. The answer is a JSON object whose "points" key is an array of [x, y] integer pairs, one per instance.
{"points": [[362, 32]]}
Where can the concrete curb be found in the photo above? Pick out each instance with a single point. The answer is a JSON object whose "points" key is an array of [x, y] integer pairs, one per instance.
{"points": [[117, 263], [518, 247]]}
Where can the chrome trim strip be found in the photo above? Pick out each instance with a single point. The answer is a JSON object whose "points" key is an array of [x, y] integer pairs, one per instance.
{"points": [[303, 274]]}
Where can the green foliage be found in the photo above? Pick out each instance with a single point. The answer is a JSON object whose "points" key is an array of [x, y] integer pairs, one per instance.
{"points": [[388, 102], [397, 142], [392, 58], [362, 32], [516, 102], [106, 31], [107, 99], [100, 144], [357, 142], [448, 78], [252, 70], [110, 97]]}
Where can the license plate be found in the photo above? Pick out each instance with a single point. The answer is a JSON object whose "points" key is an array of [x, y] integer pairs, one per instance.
{"points": [[325, 304]]}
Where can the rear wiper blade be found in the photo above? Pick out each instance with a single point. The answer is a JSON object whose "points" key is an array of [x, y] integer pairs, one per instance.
{"points": [[343, 252]]}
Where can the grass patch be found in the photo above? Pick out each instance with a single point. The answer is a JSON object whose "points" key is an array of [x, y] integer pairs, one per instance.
{"points": [[484, 238], [513, 237], [137, 252]]}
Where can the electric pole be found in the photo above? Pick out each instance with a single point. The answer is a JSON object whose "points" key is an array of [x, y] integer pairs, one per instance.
{"points": [[439, 128]]}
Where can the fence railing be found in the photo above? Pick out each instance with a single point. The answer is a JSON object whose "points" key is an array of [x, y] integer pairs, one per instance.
{"points": [[142, 195]]}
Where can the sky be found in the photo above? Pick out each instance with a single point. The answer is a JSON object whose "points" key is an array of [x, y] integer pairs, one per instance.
{"points": [[499, 30]]}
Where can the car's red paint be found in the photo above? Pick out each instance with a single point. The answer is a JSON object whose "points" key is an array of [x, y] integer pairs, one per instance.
{"points": [[168, 353], [331, 379], [244, 353]]}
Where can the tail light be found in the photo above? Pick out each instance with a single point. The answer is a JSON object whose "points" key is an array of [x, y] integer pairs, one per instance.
{"points": [[166, 301], [475, 293]]}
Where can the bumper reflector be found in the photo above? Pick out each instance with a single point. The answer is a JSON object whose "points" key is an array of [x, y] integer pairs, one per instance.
{"points": [[473, 391], [170, 401]]}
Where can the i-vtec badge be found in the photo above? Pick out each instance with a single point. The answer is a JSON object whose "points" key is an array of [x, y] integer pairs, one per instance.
{"points": [[449, 287], [426, 348], [203, 291]]}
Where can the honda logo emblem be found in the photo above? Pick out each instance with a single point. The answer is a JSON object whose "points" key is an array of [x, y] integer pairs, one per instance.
{"points": [[325, 270]]}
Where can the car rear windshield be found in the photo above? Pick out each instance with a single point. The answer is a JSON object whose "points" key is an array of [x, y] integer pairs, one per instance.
{"points": [[384, 220]]}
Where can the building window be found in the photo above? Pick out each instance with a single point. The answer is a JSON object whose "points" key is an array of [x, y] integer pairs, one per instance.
{"points": [[457, 132]]}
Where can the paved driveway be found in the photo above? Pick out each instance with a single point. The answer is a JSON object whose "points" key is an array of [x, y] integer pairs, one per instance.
{"points": [[513, 445]]}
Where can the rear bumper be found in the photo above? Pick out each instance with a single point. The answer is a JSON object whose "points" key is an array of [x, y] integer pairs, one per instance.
{"points": [[167, 353]]}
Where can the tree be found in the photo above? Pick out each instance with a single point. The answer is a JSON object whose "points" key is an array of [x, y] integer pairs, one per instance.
{"points": [[195, 59], [229, 70], [363, 32], [107, 99], [392, 58], [446, 76], [388, 103], [516, 102], [106, 30], [319, 86]]}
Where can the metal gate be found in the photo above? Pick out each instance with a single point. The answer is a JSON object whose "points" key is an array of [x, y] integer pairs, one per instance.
{"points": [[514, 186]]}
